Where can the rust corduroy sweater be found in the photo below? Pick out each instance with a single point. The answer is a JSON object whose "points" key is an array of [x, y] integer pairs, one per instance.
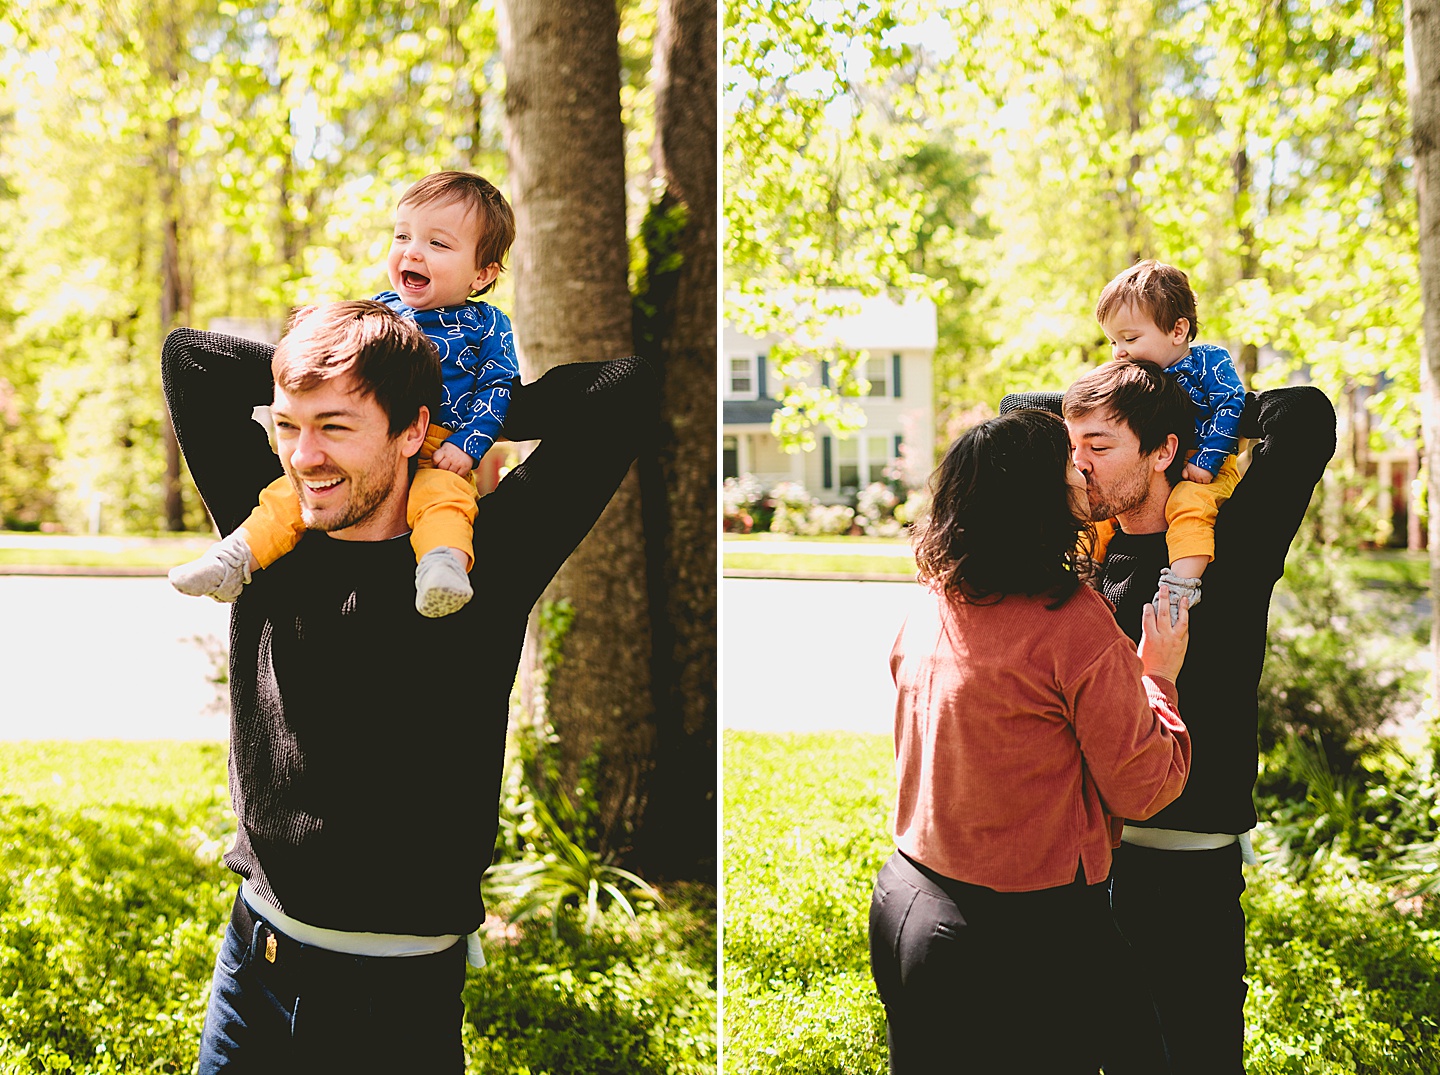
{"points": [[1022, 735]]}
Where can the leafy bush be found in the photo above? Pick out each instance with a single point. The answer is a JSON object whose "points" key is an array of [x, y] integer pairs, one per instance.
{"points": [[1332, 675], [557, 871], [1379, 809]]}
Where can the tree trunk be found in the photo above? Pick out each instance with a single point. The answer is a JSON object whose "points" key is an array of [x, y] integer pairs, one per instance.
{"points": [[679, 482], [1422, 62], [565, 142], [1249, 358], [170, 286]]}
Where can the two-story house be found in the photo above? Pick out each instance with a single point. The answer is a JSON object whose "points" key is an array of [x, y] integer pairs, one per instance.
{"points": [[899, 339]]}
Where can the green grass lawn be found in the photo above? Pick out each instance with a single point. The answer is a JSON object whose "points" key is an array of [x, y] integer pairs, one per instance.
{"points": [[1340, 981], [821, 564], [160, 554], [824, 539], [1397, 569], [113, 899]]}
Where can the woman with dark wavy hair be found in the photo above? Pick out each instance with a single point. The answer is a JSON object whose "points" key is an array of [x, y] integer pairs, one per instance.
{"points": [[1026, 727]]}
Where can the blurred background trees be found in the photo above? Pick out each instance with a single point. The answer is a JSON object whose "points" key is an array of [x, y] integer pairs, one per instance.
{"points": [[1010, 159]]}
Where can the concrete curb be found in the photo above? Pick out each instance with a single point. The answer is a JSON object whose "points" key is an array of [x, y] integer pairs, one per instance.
{"points": [[812, 576]]}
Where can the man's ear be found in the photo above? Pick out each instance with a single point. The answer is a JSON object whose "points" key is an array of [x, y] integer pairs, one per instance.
{"points": [[412, 437], [1165, 454]]}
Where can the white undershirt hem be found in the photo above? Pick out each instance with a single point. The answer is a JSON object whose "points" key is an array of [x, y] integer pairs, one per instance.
{"points": [[384, 945], [1181, 840]]}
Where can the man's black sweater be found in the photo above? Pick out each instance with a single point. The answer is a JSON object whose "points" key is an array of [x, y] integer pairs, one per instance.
{"points": [[366, 741], [1295, 433]]}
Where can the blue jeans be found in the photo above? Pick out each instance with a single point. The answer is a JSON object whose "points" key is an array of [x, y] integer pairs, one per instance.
{"points": [[312, 1010]]}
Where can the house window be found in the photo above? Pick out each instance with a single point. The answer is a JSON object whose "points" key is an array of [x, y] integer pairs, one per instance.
{"points": [[860, 461], [730, 458], [877, 372], [741, 381]]}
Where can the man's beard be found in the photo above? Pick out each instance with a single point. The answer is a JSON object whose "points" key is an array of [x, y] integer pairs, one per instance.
{"points": [[1125, 494], [365, 492]]}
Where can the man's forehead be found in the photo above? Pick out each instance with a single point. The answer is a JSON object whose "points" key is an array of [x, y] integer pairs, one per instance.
{"points": [[1101, 422], [337, 394]]}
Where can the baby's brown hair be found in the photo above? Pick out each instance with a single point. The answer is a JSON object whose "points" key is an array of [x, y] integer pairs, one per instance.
{"points": [[1161, 291]]}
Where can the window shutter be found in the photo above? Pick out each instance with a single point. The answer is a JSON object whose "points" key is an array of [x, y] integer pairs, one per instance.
{"points": [[826, 482], [760, 371], [824, 377], [895, 377], [898, 439]]}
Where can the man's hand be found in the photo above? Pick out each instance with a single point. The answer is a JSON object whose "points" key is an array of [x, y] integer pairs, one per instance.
{"points": [[1198, 475], [448, 457]]}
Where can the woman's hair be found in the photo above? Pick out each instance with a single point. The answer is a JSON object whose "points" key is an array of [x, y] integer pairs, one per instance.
{"points": [[1000, 518]]}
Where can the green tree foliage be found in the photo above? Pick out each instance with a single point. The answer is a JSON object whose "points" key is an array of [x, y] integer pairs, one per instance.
{"points": [[1261, 146], [175, 162]]}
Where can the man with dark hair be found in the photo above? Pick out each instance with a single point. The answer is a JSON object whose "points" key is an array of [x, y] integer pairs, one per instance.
{"points": [[1176, 881], [359, 785]]}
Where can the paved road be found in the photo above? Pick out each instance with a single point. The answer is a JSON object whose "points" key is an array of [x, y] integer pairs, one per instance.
{"points": [[800, 655], [112, 658]]}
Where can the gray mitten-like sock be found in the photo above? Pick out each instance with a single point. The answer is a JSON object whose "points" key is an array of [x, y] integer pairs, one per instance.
{"points": [[221, 572], [1179, 587], [441, 585]]}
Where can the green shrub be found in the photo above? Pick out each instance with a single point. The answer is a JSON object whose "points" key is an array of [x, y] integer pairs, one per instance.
{"points": [[1332, 675]]}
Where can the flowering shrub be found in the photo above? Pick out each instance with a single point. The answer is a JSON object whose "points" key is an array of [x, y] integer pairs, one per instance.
{"points": [[914, 505], [828, 519], [875, 510], [793, 505], [741, 497]]}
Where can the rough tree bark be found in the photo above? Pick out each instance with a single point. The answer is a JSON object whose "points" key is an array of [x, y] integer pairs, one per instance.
{"points": [[1422, 65], [677, 327], [565, 141]]}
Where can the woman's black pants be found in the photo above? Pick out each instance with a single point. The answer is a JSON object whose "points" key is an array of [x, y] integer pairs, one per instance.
{"points": [[978, 980]]}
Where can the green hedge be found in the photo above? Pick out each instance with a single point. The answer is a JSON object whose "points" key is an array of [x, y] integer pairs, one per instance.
{"points": [[113, 900], [1341, 980]]}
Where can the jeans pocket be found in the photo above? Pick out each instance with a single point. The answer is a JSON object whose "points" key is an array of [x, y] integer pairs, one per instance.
{"points": [[234, 951]]}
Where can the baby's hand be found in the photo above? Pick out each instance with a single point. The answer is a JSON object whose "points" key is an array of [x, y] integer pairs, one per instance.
{"points": [[1192, 473], [448, 457]]}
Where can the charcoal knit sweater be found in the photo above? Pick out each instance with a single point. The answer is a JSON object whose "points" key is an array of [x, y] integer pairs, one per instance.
{"points": [[1295, 433], [366, 741]]}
